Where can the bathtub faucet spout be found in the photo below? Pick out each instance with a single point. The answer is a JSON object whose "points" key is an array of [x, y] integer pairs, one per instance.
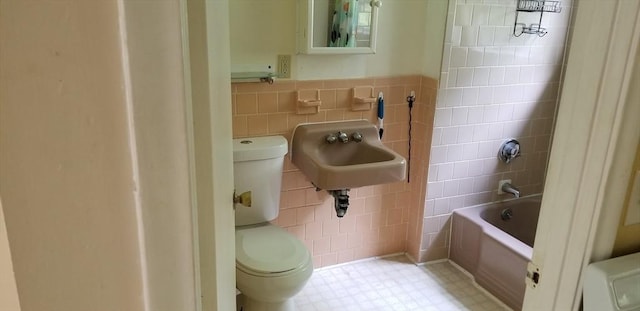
{"points": [[509, 188]]}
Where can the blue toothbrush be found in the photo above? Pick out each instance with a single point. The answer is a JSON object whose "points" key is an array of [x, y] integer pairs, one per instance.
{"points": [[380, 114]]}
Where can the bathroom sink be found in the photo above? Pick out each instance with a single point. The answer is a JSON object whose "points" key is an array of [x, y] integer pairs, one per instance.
{"points": [[356, 158]]}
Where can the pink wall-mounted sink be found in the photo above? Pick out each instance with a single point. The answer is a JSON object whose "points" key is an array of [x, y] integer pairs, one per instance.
{"points": [[345, 155]]}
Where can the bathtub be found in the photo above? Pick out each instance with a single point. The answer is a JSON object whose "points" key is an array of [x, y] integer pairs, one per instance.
{"points": [[493, 250]]}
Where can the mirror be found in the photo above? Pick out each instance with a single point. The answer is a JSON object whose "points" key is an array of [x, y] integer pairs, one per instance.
{"points": [[337, 26]]}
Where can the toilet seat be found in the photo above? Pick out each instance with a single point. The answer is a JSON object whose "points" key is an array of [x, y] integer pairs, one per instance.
{"points": [[269, 251]]}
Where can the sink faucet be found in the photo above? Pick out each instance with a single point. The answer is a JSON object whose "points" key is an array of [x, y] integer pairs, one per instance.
{"points": [[509, 188], [343, 137]]}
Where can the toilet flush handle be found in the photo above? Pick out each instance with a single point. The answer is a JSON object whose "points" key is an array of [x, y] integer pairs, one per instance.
{"points": [[244, 198]]}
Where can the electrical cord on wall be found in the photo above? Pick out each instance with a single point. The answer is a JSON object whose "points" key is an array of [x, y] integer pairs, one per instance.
{"points": [[410, 99]]}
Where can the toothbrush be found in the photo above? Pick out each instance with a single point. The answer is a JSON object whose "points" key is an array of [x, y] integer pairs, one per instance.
{"points": [[380, 114]]}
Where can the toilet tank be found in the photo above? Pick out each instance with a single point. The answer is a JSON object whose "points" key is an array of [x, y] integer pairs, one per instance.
{"points": [[257, 167]]}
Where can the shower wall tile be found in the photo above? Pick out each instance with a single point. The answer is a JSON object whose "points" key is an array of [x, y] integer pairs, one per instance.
{"points": [[509, 88], [382, 219]]}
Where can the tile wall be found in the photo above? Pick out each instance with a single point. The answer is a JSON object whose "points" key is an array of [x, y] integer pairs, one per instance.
{"points": [[494, 86], [382, 219]]}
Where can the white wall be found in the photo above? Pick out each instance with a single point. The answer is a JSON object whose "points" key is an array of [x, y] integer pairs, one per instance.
{"points": [[66, 177], [94, 171], [409, 40]]}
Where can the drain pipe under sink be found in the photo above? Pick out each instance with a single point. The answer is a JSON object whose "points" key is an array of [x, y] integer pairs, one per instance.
{"points": [[341, 201]]}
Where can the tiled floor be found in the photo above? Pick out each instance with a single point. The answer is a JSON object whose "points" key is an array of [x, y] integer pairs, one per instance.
{"points": [[393, 283]]}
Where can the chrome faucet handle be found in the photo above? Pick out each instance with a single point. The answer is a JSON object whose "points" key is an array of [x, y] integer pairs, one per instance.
{"points": [[331, 138], [343, 137], [357, 137]]}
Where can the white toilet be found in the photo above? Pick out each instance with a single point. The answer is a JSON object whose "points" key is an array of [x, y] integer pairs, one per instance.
{"points": [[271, 265]]}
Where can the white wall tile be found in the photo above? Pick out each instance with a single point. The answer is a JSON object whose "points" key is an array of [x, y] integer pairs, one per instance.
{"points": [[491, 56], [459, 116], [475, 167], [450, 188], [512, 75], [445, 171], [469, 36], [510, 16], [465, 186], [491, 113], [516, 93], [501, 94], [505, 113], [452, 77], [480, 15], [525, 110], [545, 73], [526, 74], [438, 154], [460, 169], [456, 35], [444, 77], [454, 153], [507, 56], [481, 76], [465, 134], [480, 132], [495, 131], [503, 35], [446, 56], [441, 207], [453, 97], [464, 14], [469, 151], [522, 55], [538, 55], [476, 115], [433, 173], [449, 135], [442, 117], [485, 95], [496, 15], [458, 57], [497, 86], [465, 77], [517, 128], [434, 190], [486, 35], [491, 166], [436, 136], [455, 203], [496, 76], [475, 56], [488, 149], [470, 95]]}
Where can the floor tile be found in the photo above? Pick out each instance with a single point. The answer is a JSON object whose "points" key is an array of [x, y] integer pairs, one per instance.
{"points": [[393, 284]]}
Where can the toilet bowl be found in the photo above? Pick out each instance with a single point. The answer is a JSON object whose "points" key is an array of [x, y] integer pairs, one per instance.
{"points": [[272, 265]]}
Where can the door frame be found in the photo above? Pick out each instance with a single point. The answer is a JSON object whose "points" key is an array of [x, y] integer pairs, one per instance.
{"points": [[592, 153]]}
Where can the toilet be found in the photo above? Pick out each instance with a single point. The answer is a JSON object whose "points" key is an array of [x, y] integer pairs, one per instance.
{"points": [[272, 265]]}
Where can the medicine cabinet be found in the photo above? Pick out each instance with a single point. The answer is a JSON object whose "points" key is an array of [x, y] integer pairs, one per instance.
{"points": [[337, 26]]}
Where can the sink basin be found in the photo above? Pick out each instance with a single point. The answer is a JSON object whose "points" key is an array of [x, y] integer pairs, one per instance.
{"points": [[345, 165]]}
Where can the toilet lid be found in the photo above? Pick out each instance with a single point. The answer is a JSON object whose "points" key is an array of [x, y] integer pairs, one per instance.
{"points": [[269, 249]]}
